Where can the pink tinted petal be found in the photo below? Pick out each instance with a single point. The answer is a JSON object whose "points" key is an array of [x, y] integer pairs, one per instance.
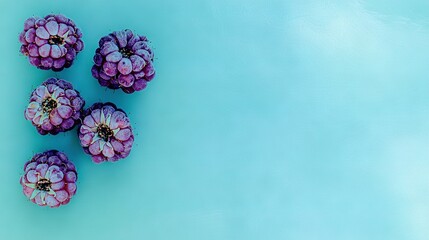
{"points": [[55, 51], [55, 117], [45, 50], [89, 121], [108, 47], [139, 84], [27, 191], [42, 168], [68, 123], [110, 68], [37, 120], [42, 92], [30, 35], [121, 36], [65, 111], [51, 201], [56, 176], [125, 66], [57, 92], [71, 176], [138, 63], [114, 57], [71, 93], [98, 159], [46, 125], [116, 119], [42, 33], [94, 148], [29, 23], [33, 50], [40, 41], [32, 176], [38, 199], [70, 39], [126, 80], [62, 195], [71, 187], [144, 54], [149, 70], [59, 63], [108, 150], [85, 129], [117, 146], [52, 27], [62, 29], [57, 186], [31, 165], [87, 139], [96, 115], [123, 134], [140, 45], [63, 101]]}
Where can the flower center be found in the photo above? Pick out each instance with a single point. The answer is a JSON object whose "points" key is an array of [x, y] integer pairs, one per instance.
{"points": [[56, 40], [43, 185], [48, 105], [104, 132], [126, 52]]}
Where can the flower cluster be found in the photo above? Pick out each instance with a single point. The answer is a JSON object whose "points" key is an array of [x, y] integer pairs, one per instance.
{"points": [[49, 179], [123, 61], [51, 42]]}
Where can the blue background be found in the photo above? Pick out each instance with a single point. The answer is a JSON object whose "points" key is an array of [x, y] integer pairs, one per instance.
{"points": [[280, 120]]}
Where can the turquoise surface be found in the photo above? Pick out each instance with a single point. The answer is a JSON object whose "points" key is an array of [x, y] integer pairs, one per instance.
{"points": [[268, 119]]}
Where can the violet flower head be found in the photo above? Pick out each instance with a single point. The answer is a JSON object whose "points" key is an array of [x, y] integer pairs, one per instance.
{"points": [[51, 42], [123, 60], [49, 179], [54, 107], [106, 133]]}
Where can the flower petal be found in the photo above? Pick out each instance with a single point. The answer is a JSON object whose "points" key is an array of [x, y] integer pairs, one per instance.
{"points": [[65, 111], [62, 195], [123, 134], [114, 57], [32, 176], [108, 47], [96, 115], [52, 27], [63, 29], [45, 50], [56, 51], [86, 139], [117, 146], [94, 148], [125, 66], [41, 169], [42, 33], [108, 150], [71, 176], [55, 117], [51, 201]]}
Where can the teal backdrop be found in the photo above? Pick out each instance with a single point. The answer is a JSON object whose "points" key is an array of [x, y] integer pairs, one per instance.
{"points": [[268, 120]]}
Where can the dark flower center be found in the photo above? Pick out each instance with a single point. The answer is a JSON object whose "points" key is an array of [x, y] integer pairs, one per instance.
{"points": [[56, 40], [48, 105], [104, 132], [126, 53], [43, 185]]}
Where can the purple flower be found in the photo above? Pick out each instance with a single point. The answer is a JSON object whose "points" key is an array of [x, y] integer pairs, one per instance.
{"points": [[123, 60], [49, 179], [106, 133], [51, 42], [54, 107]]}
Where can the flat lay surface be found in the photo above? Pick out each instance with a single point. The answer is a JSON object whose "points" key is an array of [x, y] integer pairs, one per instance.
{"points": [[281, 120]]}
